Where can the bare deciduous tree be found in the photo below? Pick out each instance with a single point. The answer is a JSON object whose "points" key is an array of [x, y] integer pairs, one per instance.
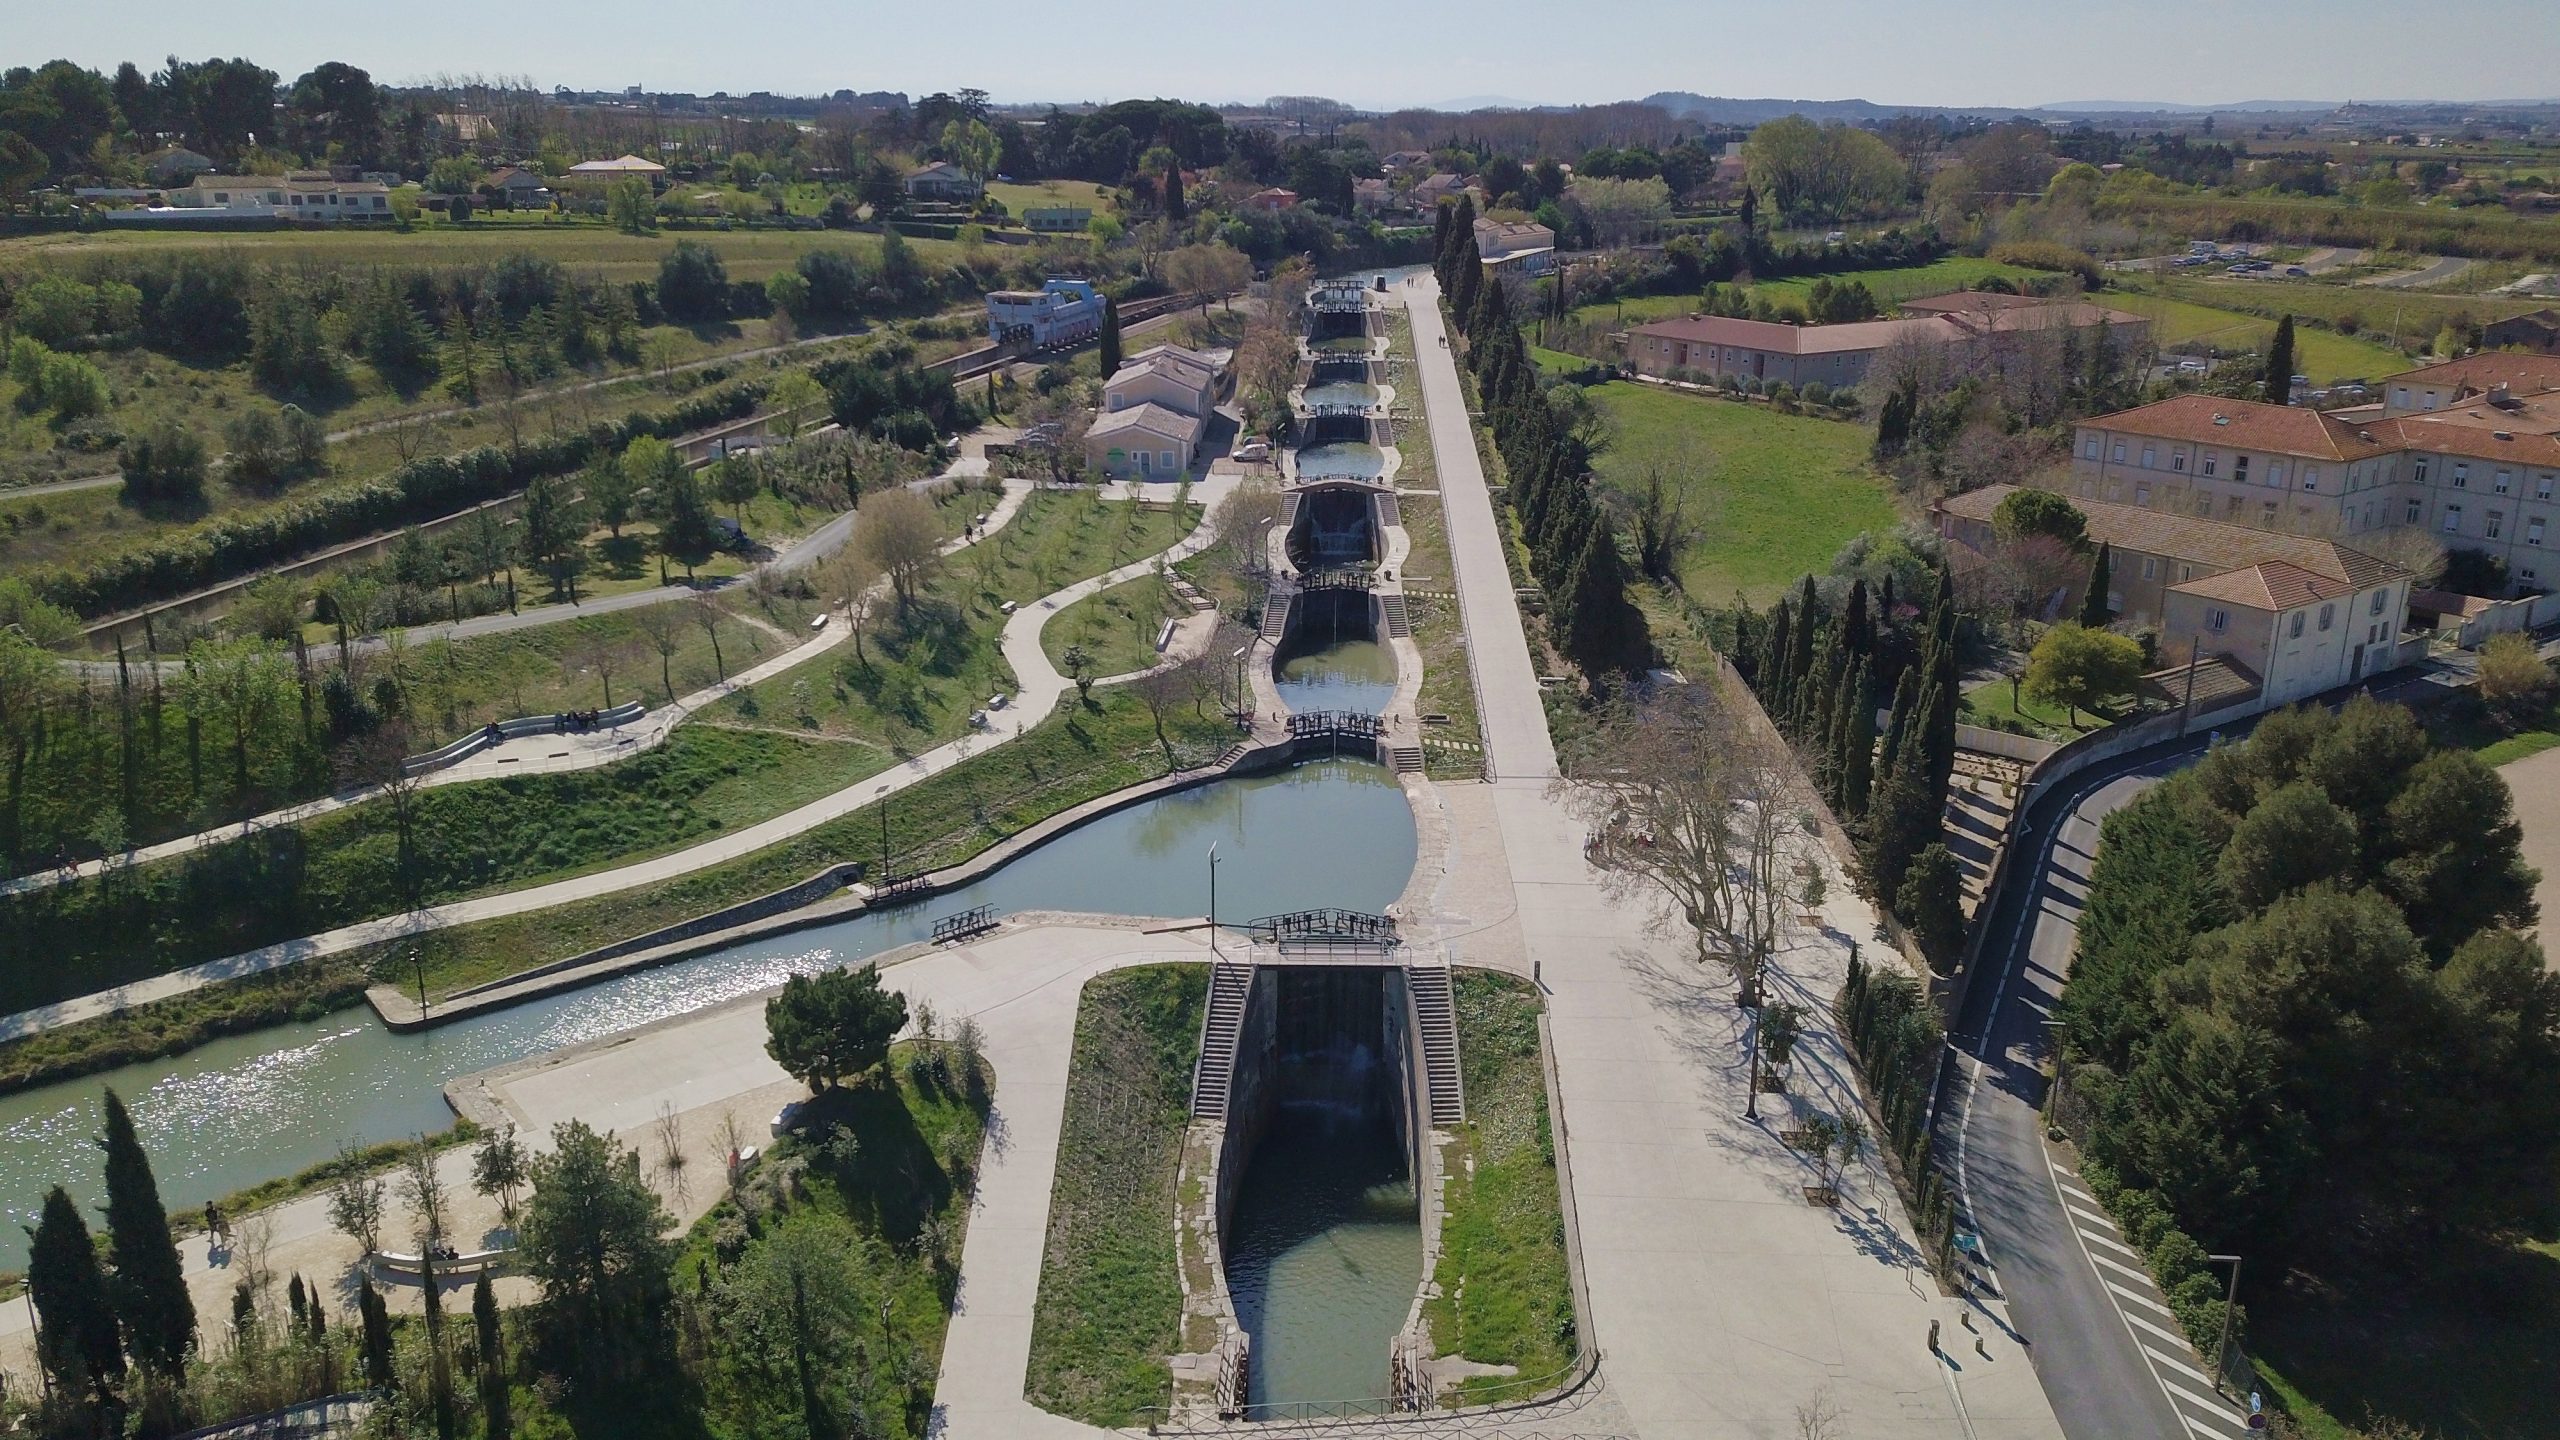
{"points": [[662, 629], [852, 583], [897, 530]]}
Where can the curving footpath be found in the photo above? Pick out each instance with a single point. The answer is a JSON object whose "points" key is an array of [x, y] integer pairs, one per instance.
{"points": [[1041, 688]]}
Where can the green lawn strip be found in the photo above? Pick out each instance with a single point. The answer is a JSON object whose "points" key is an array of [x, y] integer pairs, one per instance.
{"points": [[1087, 751], [1505, 1291], [1116, 629], [180, 1023], [469, 839], [1988, 705], [2464, 724], [1110, 1303], [915, 680], [1439, 630], [2415, 314], [1890, 287], [1775, 494], [879, 1173], [2324, 355]]}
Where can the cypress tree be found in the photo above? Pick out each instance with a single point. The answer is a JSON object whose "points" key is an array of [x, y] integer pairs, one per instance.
{"points": [[495, 1407], [1858, 751], [1773, 667], [1857, 632], [1174, 209], [80, 1348], [1906, 698], [1808, 621], [2280, 364], [1884, 604], [150, 1286], [1107, 350], [1440, 240], [1603, 631], [1462, 298], [2094, 610], [1893, 425], [376, 1318]]}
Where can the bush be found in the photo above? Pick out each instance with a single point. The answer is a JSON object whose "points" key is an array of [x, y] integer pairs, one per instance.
{"points": [[2046, 255], [2517, 685], [72, 386], [163, 468]]}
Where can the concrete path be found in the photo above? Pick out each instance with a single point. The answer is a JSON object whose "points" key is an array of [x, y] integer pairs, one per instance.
{"points": [[1041, 687], [2535, 780], [1514, 715], [2437, 272]]}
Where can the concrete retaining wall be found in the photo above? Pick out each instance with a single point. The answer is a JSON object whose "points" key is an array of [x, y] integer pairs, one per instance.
{"points": [[478, 740]]}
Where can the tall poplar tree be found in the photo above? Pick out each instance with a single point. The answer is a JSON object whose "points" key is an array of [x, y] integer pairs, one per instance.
{"points": [[2094, 610]]}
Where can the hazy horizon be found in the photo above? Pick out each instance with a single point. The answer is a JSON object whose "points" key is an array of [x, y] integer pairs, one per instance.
{"points": [[1983, 54]]}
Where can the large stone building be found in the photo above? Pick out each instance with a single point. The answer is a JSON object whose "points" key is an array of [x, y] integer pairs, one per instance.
{"points": [[1969, 322], [2467, 451], [1061, 312], [2295, 615]]}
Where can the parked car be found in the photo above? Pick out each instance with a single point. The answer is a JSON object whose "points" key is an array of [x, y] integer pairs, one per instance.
{"points": [[2297, 272], [2193, 367], [1253, 450]]}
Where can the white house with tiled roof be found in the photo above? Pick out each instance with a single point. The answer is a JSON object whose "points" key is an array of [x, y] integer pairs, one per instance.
{"points": [[2299, 614], [2468, 452]]}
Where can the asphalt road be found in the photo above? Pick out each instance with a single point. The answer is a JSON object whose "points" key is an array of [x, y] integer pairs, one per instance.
{"points": [[2093, 1371]]}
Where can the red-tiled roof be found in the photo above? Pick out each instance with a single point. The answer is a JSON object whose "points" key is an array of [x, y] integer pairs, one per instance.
{"points": [[2523, 372], [2249, 425], [2215, 545]]}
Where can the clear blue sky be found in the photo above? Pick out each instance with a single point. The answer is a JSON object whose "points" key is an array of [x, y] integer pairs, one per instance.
{"points": [[1987, 53]]}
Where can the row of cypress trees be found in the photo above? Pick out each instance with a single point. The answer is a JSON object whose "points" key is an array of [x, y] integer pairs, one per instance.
{"points": [[94, 1316], [1572, 543], [1820, 673]]}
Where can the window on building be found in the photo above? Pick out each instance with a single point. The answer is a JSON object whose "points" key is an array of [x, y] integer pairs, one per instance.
{"points": [[2150, 567], [2240, 470], [2542, 487], [2526, 575], [2217, 620], [2293, 630], [2533, 531], [2452, 519], [2310, 477], [2400, 395], [2415, 511], [2497, 523], [2142, 492], [2502, 483], [2204, 504], [2115, 489], [2178, 460], [2117, 454], [2150, 453], [2461, 477], [2267, 513], [2275, 472], [2380, 598], [2088, 447], [2186, 573], [2210, 461], [2231, 507], [2418, 470], [2328, 616]]}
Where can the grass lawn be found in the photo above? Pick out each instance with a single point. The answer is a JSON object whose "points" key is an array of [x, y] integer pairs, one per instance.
{"points": [[1505, 1297], [1989, 703], [2463, 724], [2323, 355], [1116, 629], [915, 681], [1086, 750], [1044, 193], [1448, 687], [1110, 1304], [1775, 494], [890, 1208], [1890, 287]]}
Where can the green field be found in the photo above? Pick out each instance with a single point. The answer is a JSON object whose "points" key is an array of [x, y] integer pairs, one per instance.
{"points": [[1018, 198], [1890, 287], [1116, 629], [1776, 494], [2323, 355]]}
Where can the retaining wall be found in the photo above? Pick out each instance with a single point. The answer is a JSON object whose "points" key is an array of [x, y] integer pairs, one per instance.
{"points": [[453, 752]]}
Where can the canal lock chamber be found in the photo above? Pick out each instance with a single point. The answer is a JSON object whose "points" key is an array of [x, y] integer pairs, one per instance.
{"points": [[1330, 657], [1318, 1215]]}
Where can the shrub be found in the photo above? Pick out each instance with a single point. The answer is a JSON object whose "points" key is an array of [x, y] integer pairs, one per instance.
{"points": [[163, 467], [73, 387], [2046, 255]]}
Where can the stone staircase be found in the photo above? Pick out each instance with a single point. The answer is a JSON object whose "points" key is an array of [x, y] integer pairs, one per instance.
{"points": [[1389, 512], [1405, 759], [1230, 984], [1399, 622], [1436, 1008], [1275, 615], [1288, 511]]}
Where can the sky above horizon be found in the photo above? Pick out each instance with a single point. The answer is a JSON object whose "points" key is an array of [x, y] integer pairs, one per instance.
{"points": [[1980, 53]]}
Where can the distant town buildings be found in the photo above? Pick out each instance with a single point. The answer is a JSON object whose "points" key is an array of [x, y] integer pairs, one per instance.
{"points": [[2539, 331]]}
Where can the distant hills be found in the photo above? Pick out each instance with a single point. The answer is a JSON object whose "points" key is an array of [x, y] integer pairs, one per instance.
{"points": [[1724, 110]]}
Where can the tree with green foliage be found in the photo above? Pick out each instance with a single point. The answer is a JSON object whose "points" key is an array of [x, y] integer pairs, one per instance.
{"points": [[2280, 363], [609, 492], [1931, 904], [1107, 350], [693, 284], [631, 207], [380, 1372], [734, 481], [593, 1240], [2076, 667], [496, 1395], [163, 468], [148, 1284], [79, 1345], [2026, 512], [826, 1027], [685, 532], [2095, 610]]}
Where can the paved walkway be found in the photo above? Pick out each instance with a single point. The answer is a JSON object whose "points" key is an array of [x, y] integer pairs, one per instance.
{"points": [[1041, 687], [2535, 780], [1514, 714]]}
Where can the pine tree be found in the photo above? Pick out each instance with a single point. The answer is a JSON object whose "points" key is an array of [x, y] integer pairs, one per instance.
{"points": [[80, 1349], [2094, 610], [1107, 351], [2280, 364], [150, 1285]]}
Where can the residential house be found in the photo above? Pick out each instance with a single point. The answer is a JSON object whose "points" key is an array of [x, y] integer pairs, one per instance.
{"points": [[1274, 199], [2478, 471], [520, 188], [303, 195], [942, 181], [174, 165], [2296, 614], [2539, 331], [621, 167], [1987, 327], [1516, 248], [1058, 219], [1060, 312], [1431, 189], [1371, 196], [1404, 160], [1156, 410]]}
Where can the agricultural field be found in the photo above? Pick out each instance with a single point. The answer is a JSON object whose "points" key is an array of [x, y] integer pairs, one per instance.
{"points": [[1774, 495], [1890, 287], [2324, 355], [2414, 315]]}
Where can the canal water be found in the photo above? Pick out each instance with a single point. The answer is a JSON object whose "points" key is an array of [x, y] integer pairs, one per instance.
{"points": [[257, 1106], [1341, 392], [1358, 675], [1323, 1256], [1343, 457]]}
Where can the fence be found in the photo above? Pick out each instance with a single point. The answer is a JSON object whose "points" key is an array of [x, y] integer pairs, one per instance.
{"points": [[481, 739]]}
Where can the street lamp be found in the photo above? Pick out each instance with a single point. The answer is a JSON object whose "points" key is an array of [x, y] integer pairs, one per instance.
{"points": [[2230, 1298], [1243, 682], [1213, 897], [882, 795]]}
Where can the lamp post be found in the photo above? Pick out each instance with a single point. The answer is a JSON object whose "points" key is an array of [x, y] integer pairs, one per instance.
{"points": [[1243, 682], [2230, 1298], [882, 795], [1213, 897], [418, 959]]}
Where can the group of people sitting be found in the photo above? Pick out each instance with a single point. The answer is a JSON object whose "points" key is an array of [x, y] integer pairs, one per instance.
{"points": [[564, 723]]}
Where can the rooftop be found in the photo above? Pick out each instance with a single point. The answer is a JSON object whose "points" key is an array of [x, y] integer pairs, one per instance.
{"points": [[2249, 425], [1149, 419], [2217, 545]]}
